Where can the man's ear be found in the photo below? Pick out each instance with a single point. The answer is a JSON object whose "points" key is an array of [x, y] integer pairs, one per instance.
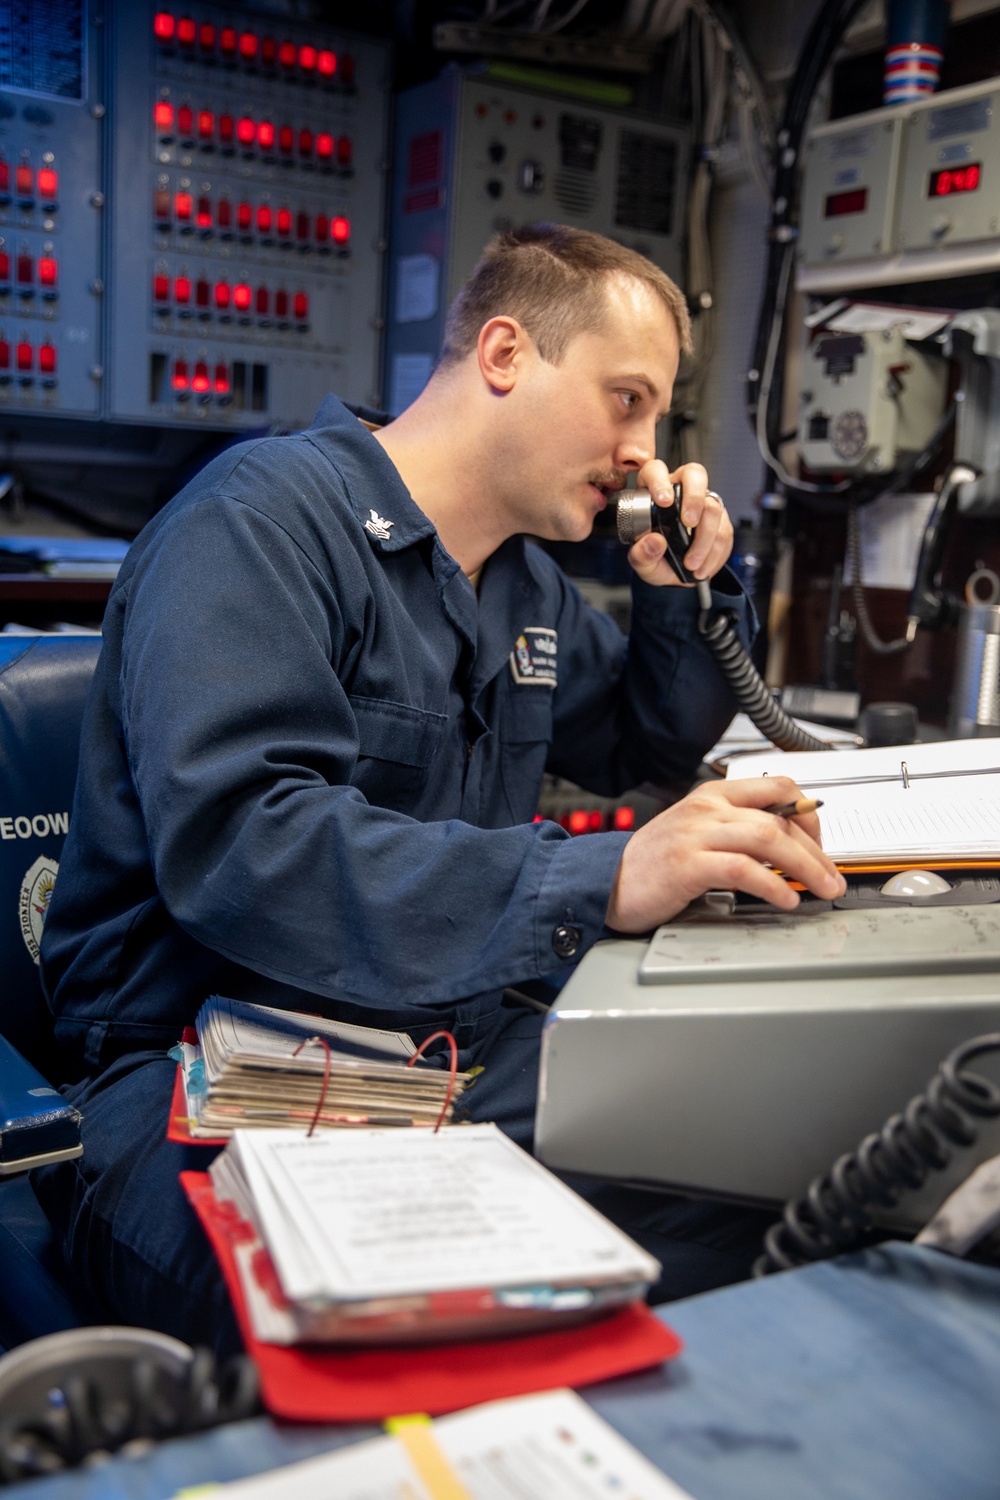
{"points": [[500, 351]]}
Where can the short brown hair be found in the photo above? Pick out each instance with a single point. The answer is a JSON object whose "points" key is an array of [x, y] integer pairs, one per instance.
{"points": [[546, 276]]}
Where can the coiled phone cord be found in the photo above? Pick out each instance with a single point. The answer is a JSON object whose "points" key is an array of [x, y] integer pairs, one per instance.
{"points": [[752, 694], [87, 1419], [834, 1215]]}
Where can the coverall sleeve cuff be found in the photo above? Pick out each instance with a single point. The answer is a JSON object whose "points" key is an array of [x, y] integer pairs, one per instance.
{"points": [[573, 898]]}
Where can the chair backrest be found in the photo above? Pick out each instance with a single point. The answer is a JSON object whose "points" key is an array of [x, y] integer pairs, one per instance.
{"points": [[43, 686]]}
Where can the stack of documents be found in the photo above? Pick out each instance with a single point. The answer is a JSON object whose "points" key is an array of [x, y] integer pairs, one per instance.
{"points": [[254, 1065], [406, 1235], [934, 804]]}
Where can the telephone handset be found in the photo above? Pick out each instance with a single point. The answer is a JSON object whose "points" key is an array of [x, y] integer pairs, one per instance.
{"points": [[637, 513]]}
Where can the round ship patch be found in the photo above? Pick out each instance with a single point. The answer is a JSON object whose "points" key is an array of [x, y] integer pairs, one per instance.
{"points": [[33, 903]]}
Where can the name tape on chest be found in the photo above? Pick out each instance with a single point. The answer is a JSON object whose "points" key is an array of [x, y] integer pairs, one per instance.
{"points": [[533, 659]]}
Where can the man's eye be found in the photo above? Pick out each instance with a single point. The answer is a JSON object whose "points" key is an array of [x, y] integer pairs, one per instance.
{"points": [[630, 398]]}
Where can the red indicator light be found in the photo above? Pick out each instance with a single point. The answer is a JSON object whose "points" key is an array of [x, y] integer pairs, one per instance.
{"points": [[4, 355], [186, 31], [263, 301], [224, 213], [596, 820], [179, 379], [24, 182], [624, 819], [265, 135], [482, 110], [326, 64], [48, 183], [284, 221], [185, 120], [206, 37], [4, 177], [182, 290], [288, 54], [25, 356], [305, 143], [242, 297], [345, 151], [269, 51], [324, 145], [286, 139], [837, 205], [307, 59], [538, 818], [281, 304], [301, 307], [244, 216], [202, 293], [4, 266], [322, 229], [227, 129], [303, 226], [48, 270], [341, 230], [227, 40], [578, 820], [182, 205], [248, 46], [222, 295], [206, 124], [246, 131], [347, 69], [955, 180], [25, 271], [161, 204], [161, 288], [203, 218], [200, 380], [47, 359], [264, 219], [222, 380], [164, 26]]}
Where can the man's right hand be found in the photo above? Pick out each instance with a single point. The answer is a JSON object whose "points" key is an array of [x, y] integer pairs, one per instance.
{"points": [[719, 837]]}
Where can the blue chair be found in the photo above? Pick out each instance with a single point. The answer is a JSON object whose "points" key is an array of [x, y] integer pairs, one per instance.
{"points": [[44, 682]]}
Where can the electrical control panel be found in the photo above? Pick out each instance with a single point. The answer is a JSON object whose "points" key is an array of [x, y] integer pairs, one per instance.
{"points": [[868, 400], [474, 155], [849, 188], [51, 351], [246, 216], [950, 182]]}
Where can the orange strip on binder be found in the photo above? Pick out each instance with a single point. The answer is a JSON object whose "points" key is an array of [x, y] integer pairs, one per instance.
{"points": [[312, 1383]]}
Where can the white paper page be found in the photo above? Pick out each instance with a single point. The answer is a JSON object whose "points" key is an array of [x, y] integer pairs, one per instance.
{"points": [[293, 1251], [818, 768], [547, 1447], [263, 1031], [953, 817], [392, 1212]]}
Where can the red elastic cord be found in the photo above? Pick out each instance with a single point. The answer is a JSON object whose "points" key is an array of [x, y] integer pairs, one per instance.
{"points": [[326, 1076], [452, 1074]]}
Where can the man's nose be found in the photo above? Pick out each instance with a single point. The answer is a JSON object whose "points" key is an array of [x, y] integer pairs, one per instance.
{"points": [[636, 449]]}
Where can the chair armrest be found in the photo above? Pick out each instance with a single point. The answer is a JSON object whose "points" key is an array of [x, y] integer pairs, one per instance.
{"points": [[36, 1124]]}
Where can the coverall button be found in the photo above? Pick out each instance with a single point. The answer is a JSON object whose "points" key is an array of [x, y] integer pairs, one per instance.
{"points": [[566, 941]]}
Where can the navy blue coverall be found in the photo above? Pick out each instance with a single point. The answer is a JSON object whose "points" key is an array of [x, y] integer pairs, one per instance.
{"points": [[310, 763]]}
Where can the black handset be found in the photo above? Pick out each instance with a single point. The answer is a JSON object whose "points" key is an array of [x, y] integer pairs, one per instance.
{"points": [[637, 513]]}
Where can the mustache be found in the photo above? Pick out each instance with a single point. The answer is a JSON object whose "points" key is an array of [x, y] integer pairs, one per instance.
{"points": [[608, 480]]}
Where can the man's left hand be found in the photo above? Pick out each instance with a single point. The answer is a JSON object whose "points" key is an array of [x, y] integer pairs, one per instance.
{"points": [[702, 512]]}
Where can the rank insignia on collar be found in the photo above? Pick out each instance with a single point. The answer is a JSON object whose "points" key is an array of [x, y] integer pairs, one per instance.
{"points": [[377, 526]]}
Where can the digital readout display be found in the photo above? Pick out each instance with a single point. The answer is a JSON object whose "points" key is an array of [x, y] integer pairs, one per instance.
{"points": [[854, 201], [955, 180]]}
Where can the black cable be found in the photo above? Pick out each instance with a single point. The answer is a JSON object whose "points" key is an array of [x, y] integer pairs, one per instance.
{"points": [[835, 1213], [753, 696], [87, 1418]]}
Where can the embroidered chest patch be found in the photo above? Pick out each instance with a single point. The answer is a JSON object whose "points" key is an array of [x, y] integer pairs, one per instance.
{"points": [[533, 659]]}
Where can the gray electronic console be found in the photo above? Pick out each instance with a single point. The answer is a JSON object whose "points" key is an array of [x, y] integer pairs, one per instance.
{"points": [[739, 1056]]}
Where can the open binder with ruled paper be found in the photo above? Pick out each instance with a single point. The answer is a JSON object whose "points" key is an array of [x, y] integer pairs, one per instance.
{"points": [[900, 805]]}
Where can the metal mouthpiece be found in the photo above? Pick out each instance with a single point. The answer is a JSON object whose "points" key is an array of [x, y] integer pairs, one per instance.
{"points": [[634, 513]]}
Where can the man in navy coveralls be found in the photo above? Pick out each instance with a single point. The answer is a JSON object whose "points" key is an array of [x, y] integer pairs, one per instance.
{"points": [[333, 674]]}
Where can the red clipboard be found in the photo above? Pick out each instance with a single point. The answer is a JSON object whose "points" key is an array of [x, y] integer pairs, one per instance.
{"points": [[308, 1384]]}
